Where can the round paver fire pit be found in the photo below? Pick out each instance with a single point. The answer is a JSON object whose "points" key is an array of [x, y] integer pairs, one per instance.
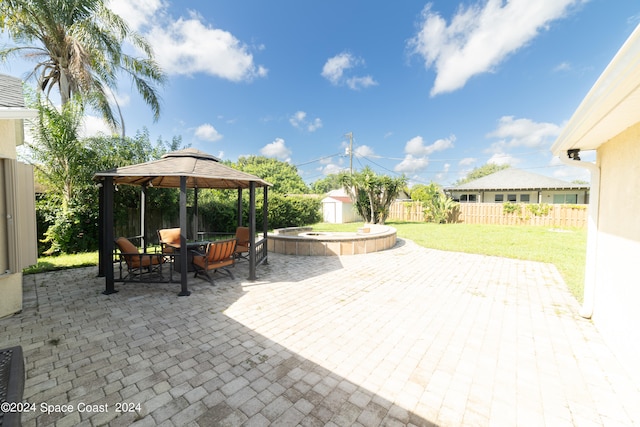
{"points": [[306, 242]]}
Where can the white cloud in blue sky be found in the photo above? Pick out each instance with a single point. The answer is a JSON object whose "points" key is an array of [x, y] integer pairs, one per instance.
{"points": [[207, 132], [336, 68], [299, 120], [480, 36], [277, 149], [187, 46]]}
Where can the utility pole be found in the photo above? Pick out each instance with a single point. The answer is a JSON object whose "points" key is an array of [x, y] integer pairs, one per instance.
{"points": [[350, 135]]}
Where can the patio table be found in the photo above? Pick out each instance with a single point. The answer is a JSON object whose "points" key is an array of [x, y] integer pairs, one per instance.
{"points": [[191, 246]]}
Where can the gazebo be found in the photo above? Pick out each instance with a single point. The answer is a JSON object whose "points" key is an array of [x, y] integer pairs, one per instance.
{"points": [[188, 168]]}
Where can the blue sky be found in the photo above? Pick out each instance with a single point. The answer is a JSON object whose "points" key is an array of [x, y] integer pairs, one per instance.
{"points": [[427, 89]]}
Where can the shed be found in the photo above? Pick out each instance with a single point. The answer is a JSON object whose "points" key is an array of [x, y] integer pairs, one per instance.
{"points": [[338, 208]]}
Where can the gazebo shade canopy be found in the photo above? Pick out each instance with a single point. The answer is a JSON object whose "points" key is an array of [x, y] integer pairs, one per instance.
{"points": [[202, 170]]}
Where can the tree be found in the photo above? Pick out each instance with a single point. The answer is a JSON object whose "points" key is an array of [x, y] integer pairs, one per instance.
{"points": [[65, 165], [438, 207], [481, 171], [282, 175], [372, 194], [57, 150], [78, 49], [326, 184]]}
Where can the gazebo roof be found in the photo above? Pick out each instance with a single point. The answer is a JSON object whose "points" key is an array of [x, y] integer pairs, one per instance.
{"points": [[201, 169]]}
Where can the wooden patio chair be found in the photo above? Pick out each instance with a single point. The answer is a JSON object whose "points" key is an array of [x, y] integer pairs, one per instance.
{"points": [[242, 245], [218, 256], [138, 263]]}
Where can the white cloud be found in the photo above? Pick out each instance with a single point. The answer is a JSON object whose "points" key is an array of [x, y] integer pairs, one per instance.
{"points": [[277, 149], [206, 132], [523, 133], [417, 157], [503, 159], [480, 36], [136, 13], [467, 161], [412, 164], [416, 146], [332, 168], [335, 67], [357, 83], [364, 151], [94, 126], [299, 120], [564, 66], [189, 45]]}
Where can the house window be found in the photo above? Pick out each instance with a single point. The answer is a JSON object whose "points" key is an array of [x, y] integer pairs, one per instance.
{"points": [[499, 198], [565, 198], [468, 198], [512, 198], [524, 198]]}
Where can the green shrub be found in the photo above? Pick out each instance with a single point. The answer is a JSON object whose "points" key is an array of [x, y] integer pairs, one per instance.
{"points": [[509, 208], [292, 211], [541, 209]]}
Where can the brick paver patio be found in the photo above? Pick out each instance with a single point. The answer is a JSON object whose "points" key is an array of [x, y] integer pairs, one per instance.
{"points": [[409, 336]]}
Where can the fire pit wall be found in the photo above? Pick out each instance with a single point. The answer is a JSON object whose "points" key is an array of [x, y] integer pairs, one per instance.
{"points": [[304, 241]]}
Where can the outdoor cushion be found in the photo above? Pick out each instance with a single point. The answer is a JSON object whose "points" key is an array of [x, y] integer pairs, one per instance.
{"points": [[134, 258], [169, 239]]}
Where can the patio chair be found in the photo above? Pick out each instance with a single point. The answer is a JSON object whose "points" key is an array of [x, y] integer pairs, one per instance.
{"points": [[242, 245], [218, 256], [138, 263], [169, 239]]}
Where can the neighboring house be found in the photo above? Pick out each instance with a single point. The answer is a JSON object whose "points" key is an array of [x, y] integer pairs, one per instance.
{"points": [[608, 121], [337, 208], [519, 186], [18, 241]]}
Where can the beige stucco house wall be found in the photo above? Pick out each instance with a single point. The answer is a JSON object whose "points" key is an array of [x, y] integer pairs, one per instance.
{"points": [[18, 245], [608, 122]]}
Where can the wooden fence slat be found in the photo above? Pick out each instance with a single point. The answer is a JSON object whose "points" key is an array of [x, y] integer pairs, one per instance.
{"points": [[492, 213]]}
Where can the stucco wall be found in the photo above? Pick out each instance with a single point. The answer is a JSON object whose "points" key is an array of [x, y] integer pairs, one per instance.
{"points": [[617, 291], [10, 284]]}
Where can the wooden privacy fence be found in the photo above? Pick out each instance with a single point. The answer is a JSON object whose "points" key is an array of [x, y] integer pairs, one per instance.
{"points": [[494, 213]]}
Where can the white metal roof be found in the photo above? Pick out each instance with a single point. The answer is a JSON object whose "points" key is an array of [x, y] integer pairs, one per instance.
{"points": [[611, 106]]}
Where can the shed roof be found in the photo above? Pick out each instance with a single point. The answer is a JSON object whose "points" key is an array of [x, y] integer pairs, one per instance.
{"points": [[517, 179], [12, 99], [341, 199], [610, 107], [201, 169]]}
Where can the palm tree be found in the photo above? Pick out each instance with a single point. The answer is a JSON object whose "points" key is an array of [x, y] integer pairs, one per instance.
{"points": [[78, 48]]}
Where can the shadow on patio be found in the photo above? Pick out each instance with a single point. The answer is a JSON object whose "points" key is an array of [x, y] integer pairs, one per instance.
{"points": [[182, 359]]}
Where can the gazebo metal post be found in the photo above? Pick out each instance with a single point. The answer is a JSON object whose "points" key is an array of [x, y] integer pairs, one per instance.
{"points": [[100, 229], [184, 291], [252, 231], [195, 213], [239, 207], [143, 224], [265, 221], [107, 244]]}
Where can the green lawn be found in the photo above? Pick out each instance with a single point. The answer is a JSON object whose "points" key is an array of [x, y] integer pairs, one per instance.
{"points": [[61, 262], [565, 248]]}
